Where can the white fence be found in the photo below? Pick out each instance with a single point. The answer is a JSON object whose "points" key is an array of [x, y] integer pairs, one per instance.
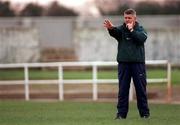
{"points": [[95, 81]]}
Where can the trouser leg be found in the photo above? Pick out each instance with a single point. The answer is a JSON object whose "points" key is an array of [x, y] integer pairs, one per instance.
{"points": [[124, 77], [139, 79]]}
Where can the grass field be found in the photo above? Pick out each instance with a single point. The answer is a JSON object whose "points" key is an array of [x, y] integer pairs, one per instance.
{"points": [[82, 113], [53, 74]]}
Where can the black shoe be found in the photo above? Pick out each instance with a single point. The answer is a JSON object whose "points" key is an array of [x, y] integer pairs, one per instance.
{"points": [[118, 117], [145, 116]]}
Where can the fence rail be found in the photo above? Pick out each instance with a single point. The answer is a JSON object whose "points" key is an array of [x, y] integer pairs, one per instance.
{"points": [[95, 81]]}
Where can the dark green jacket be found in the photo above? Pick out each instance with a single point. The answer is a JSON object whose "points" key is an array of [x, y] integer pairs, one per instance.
{"points": [[130, 44]]}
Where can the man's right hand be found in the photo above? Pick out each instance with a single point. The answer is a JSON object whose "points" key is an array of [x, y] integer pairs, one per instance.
{"points": [[108, 24]]}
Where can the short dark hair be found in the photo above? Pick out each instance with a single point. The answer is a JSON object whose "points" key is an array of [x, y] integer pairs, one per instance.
{"points": [[130, 11]]}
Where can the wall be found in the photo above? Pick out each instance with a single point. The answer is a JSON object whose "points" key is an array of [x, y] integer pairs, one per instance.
{"points": [[86, 37], [94, 43], [19, 45]]}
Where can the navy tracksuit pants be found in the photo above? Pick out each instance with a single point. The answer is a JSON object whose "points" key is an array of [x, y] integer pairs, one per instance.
{"points": [[137, 71]]}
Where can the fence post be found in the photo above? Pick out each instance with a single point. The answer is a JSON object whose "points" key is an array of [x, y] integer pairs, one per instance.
{"points": [[26, 81], [169, 87], [60, 82], [131, 91], [95, 94]]}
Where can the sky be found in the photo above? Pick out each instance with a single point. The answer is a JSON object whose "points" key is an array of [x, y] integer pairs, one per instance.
{"points": [[69, 3], [45, 2], [88, 6]]}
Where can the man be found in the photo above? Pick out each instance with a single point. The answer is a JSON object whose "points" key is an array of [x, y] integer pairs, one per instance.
{"points": [[131, 63]]}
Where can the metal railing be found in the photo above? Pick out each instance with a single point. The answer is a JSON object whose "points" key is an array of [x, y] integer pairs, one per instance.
{"points": [[95, 81]]}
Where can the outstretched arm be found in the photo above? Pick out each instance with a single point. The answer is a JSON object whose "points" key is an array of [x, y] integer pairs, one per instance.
{"points": [[113, 31]]}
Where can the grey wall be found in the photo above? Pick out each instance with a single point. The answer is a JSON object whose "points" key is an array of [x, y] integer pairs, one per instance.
{"points": [[19, 45], [92, 42], [53, 32]]}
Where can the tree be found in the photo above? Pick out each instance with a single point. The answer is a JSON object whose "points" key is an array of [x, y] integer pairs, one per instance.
{"points": [[32, 10], [122, 8], [118, 11], [171, 7], [147, 8], [150, 8], [58, 10], [5, 10]]}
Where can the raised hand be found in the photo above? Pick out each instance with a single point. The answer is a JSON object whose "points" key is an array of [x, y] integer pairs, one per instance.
{"points": [[108, 24]]}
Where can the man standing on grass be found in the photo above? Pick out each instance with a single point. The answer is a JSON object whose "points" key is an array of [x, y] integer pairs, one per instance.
{"points": [[131, 63]]}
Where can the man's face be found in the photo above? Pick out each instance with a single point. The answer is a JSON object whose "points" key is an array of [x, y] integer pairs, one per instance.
{"points": [[129, 18]]}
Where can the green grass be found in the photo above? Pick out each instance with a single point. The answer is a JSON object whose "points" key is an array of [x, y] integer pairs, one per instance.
{"points": [[82, 113], [75, 74]]}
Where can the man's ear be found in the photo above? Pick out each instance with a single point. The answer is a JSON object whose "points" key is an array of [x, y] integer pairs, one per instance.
{"points": [[135, 18]]}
